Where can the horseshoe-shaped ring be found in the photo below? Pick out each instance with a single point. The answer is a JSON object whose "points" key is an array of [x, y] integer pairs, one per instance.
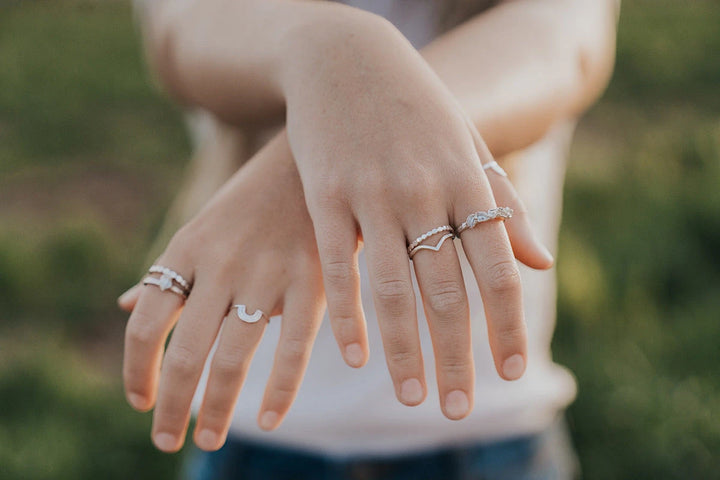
{"points": [[243, 315]]}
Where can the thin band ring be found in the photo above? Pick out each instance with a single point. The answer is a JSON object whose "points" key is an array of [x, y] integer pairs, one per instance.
{"points": [[477, 218], [247, 318], [435, 248], [426, 235], [163, 286], [495, 167]]}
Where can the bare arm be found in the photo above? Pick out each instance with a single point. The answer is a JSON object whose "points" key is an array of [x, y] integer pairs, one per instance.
{"points": [[516, 69], [526, 64], [235, 58]]}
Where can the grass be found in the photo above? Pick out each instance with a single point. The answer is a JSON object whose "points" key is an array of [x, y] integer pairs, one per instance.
{"points": [[90, 156]]}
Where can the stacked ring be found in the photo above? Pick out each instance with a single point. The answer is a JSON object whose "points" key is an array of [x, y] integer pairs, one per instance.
{"points": [[170, 273], [169, 280], [416, 246], [476, 218]]}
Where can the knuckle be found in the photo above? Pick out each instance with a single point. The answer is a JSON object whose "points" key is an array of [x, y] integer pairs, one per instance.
{"points": [[180, 245], [402, 357], [141, 331], [227, 365], [215, 413], [284, 390], [340, 272], [511, 334], [447, 298], [393, 290], [295, 351], [182, 361], [504, 277], [454, 364]]}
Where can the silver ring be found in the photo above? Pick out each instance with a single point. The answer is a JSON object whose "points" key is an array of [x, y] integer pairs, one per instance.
{"points": [[164, 283], [476, 218], [173, 275], [245, 317], [425, 236], [435, 248], [495, 167]]}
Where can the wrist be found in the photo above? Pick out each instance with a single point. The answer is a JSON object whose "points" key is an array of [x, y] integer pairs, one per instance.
{"points": [[334, 41]]}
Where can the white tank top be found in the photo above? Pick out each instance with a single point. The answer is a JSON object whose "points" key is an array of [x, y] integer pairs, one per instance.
{"points": [[342, 411]]}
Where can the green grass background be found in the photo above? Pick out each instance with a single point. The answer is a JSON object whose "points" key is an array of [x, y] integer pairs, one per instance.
{"points": [[90, 156]]}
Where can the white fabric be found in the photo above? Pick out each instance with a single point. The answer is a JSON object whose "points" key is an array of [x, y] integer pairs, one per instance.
{"points": [[415, 18], [343, 411]]}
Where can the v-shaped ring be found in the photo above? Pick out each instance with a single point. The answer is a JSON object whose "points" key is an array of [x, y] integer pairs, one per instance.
{"points": [[436, 248]]}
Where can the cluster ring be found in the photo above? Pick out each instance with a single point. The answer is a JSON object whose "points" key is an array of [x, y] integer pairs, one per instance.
{"points": [[168, 280], [158, 282], [170, 273], [503, 213]]}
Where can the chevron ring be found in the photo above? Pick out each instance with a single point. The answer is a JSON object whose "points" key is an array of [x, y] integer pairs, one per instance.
{"points": [[417, 245], [243, 315]]}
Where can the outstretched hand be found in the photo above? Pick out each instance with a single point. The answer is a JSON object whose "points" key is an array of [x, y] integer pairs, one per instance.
{"points": [[385, 151], [253, 244], [385, 154]]}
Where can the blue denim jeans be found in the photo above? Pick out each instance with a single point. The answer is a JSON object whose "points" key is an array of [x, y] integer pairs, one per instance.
{"points": [[545, 456]]}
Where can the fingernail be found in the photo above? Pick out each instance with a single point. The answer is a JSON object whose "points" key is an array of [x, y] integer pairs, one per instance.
{"points": [[122, 298], [354, 354], [411, 391], [548, 256], [207, 439], [165, 442], [514, 367], [268, 420], [138, 402], [456, 404]]}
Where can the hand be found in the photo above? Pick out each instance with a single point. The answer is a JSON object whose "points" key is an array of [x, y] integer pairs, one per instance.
{"points": [[384, 150], [252, 244]]}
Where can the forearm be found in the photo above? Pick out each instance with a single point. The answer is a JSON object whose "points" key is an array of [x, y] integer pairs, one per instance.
{"points": [[526, 64], [236, 58]]}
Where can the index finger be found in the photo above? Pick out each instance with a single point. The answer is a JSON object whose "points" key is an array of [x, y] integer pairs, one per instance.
{"points": [[488, 250]]}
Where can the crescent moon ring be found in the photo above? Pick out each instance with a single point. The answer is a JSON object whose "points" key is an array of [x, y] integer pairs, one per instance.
{"points": [[243, 315]]}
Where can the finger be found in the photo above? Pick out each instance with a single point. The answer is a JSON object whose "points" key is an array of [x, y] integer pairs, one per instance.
{"points": [[302, 315], [152, 318], [394, 298], [184, 360], [440, 279], [488, 250], [128, 300], [337, 241], [525, 245], [228, 369]]}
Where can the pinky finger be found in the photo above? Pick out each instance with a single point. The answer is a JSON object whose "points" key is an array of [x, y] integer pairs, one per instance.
{"points": [[128, 300], [302, 315], [525, 244]]}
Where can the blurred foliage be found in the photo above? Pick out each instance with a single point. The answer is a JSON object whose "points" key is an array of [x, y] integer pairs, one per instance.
{"points": [[90, 156], [639, 263]]}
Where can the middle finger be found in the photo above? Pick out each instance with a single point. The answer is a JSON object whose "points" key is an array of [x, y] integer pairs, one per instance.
{"points": [[440, 279]]}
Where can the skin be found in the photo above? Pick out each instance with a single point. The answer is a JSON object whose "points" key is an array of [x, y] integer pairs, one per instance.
{"points": [[410, 141]]}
